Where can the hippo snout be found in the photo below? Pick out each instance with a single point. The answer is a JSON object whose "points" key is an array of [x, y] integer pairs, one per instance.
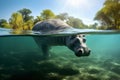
{"points": [[83, 52]]}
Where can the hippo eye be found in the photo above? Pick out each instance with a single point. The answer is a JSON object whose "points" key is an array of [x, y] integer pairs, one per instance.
{"points": [[83, 35], [84, 40]]}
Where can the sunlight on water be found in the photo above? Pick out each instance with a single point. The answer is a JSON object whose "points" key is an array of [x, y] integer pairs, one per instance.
{"points": [[20, 57]]}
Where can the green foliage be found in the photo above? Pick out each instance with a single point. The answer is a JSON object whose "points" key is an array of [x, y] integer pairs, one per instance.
{"points": [[37, 19], [28, 25], [109, 15], [93, 26], [26, 14], [47, 14], [6, 25], [62, 16], [75, 22], [16, 21], [21, 20], [2, 21]]}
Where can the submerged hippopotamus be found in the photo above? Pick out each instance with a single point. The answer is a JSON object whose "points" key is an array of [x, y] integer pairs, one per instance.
{"points": [[76, 43]]}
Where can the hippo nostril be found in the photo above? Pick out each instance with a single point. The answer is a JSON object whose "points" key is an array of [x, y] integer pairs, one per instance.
{"points": [[79, 53]]}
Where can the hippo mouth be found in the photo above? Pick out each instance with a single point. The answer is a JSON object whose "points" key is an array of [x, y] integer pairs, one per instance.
{"points": [[82, 52]]}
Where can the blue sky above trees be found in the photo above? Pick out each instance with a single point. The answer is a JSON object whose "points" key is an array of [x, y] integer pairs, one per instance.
{"points": [[83, 9]]}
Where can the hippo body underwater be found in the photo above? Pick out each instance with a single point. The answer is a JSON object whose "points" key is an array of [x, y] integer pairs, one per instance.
{"points": [[76, 43]]}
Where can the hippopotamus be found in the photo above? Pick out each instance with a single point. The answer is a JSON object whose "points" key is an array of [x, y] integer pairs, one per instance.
{"points": [[76, 43]]}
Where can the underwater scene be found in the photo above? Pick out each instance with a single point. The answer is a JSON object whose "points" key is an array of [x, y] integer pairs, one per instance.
{"points": [[21, 59]]}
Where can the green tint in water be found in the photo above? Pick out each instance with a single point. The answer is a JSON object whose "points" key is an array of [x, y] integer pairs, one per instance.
{"points": [[104, 45], [20, 59], [17, 44]]}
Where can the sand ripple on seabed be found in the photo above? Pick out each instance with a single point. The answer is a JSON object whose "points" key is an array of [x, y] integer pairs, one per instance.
{"points": [[93, 69], [31, 66]]}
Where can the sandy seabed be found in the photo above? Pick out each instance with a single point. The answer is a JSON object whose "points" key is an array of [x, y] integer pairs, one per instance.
{"points": [[65, 66]]}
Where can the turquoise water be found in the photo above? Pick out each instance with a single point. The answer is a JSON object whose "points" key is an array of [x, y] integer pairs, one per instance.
{"points": [[20, 58]]}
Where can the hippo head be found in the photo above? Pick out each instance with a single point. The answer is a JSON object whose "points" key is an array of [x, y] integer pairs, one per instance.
{"points": [[77, 43]]}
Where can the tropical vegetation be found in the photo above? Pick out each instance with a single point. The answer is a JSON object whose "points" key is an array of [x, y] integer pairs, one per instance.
{"points": [[108, 17], [22, 20]]}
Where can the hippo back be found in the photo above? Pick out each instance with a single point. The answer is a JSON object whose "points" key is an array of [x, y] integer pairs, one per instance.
{"points": [[49, 25]]}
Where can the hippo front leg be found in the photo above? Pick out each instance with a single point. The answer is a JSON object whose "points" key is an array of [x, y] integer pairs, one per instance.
{"points": [[45, 51]]}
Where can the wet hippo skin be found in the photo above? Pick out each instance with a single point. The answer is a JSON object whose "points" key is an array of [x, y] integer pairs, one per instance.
{"points": [[76, 43]]}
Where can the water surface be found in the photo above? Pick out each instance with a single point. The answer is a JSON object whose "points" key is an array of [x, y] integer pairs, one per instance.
{"points": [[20, 57]]}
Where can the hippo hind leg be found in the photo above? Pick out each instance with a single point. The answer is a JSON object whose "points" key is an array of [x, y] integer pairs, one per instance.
{"points": [[45, 51]]}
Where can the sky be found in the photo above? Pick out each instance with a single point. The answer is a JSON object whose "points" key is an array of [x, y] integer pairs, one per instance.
{"points": [[82, 9]]}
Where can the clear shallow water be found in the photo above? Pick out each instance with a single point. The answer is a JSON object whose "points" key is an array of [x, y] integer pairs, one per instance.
{"points": [[20, 58]]}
